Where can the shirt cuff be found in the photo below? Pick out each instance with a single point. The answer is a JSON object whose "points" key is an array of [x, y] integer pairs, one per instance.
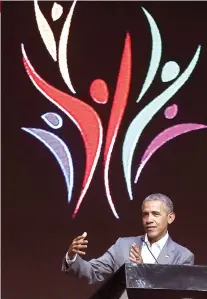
{"points": [[68, 260]]}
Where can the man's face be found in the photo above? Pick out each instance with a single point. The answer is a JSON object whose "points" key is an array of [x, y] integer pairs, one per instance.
{"points": [[155, 219]]}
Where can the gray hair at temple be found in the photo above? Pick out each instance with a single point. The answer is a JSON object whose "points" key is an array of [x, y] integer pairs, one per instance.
{"points": [[161, 197]]}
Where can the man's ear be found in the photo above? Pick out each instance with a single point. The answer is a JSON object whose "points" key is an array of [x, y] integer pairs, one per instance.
{"points": [[171, 218]]}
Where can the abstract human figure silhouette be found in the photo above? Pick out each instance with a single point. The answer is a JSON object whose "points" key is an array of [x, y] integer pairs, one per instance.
{"points": [[117, 111], [57, 147], [49, 39], [169, 72], [86, 118]]}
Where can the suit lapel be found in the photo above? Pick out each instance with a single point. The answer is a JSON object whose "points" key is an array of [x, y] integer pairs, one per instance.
{"points": [[166, 255]]}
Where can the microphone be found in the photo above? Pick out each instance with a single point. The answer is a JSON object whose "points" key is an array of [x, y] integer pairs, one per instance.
{"points": [[142, 239]]}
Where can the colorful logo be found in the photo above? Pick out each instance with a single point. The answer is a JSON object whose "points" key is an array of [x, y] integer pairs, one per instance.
{"points": [[87, 119]]}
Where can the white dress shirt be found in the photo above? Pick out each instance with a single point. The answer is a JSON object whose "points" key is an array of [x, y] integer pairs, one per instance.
{"points": [[147, 257], [155, 248]]}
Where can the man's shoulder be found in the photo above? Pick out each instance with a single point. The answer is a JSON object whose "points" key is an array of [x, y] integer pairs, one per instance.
{"points": [[180, 248]]}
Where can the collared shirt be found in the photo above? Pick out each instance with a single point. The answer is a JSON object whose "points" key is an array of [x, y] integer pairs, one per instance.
{"points": [[155, 248], [68, 260]]}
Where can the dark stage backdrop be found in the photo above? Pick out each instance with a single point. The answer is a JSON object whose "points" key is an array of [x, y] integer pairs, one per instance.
{"points": [[95, 96]]}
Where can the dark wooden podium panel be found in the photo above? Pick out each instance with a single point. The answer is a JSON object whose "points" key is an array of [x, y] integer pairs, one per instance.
{"points": [[155, 281]]}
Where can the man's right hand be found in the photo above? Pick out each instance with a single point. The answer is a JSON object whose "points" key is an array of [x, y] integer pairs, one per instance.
{"points": [[78, 246], [135, 254]]}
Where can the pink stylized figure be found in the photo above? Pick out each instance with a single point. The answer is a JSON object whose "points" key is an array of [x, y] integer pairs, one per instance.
{"points": [[166, 135]]}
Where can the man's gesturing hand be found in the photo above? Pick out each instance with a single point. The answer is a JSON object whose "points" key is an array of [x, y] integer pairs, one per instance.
{"points": [[135, 254], [78, 245]]}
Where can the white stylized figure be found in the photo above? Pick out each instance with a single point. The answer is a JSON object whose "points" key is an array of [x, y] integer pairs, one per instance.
{"points": [[49, 39]]}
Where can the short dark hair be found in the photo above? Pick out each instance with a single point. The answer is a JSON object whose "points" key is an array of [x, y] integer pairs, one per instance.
{"points": [[161, 197]]}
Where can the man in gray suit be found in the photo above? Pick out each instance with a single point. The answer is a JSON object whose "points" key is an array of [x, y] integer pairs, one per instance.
{"points": [[155, 246]]}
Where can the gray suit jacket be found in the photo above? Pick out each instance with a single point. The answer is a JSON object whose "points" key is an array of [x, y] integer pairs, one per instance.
{"points": [[97, 270]]}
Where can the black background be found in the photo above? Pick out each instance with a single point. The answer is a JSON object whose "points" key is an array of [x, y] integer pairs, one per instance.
{"points": [[37, 221]]}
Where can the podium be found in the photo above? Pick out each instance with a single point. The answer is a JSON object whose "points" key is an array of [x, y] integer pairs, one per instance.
{"points": [[155, 281]]}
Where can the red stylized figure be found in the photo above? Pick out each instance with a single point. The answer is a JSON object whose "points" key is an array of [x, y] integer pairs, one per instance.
{"points": [[87, 119]]}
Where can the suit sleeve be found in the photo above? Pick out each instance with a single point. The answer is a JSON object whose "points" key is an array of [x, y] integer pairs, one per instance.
{"points": [[95, 270], [187, 259], [190, 260]]}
